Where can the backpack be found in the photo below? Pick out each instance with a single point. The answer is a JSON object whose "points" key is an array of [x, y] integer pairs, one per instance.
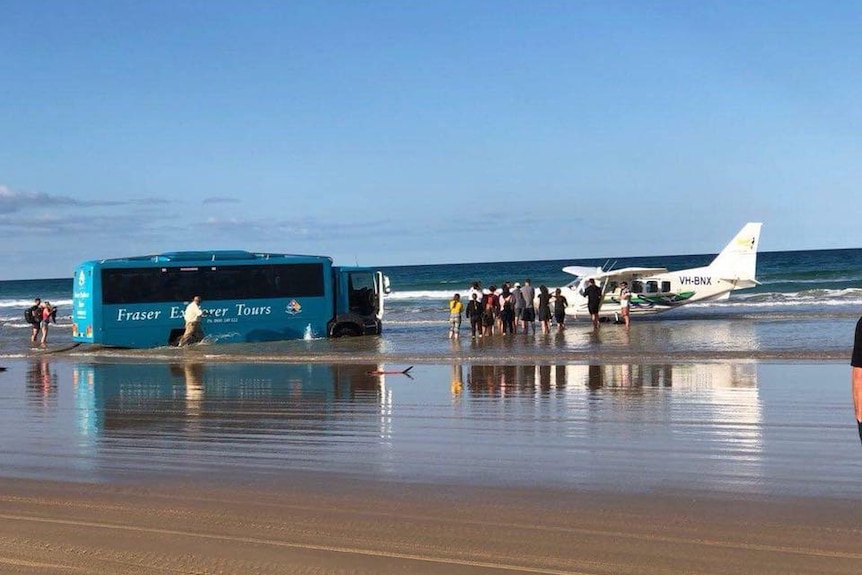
{"points": [[29, 316]]}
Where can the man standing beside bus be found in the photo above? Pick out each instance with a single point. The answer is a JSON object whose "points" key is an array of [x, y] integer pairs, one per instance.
{"points": [[193, 314]]}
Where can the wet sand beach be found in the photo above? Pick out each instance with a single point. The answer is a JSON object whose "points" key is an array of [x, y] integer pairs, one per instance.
{"points": [[132, 465], [325, 524]]}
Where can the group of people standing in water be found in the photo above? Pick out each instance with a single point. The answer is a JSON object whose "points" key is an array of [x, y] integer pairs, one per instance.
{"points": [[500, 310]]}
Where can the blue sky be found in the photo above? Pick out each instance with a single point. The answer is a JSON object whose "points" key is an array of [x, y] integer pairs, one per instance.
{"points": [[390, 133]]}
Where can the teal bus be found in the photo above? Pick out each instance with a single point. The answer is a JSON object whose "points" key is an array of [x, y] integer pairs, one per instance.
{"points": [[138, 302]]}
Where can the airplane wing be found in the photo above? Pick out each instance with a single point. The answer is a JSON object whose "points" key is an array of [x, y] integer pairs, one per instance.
{"points": [[582, 271], [627, 273]]}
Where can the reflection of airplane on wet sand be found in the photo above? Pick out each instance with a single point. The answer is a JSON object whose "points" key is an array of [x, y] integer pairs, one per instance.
{"points": [[655, 290]]}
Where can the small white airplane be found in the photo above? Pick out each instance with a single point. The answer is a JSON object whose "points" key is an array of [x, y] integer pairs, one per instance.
{"points": [[655, 290]]}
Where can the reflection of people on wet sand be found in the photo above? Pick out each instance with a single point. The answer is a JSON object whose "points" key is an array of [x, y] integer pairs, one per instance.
{"points": [[41, 381], [194, 376], [595, 377], [856, 378], [457, 379]]}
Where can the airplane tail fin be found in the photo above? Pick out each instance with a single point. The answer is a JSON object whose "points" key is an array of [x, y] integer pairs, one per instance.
{"points": [[737, 262]]}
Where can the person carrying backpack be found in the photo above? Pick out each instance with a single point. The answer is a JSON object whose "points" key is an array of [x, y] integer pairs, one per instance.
{"points": [[33, 316]]}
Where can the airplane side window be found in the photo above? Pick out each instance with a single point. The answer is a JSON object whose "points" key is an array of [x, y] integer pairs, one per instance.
{"points": [[665, 286], [637, 287], [652, 286]]}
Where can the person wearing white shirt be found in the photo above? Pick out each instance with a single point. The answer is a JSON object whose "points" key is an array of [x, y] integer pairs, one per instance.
{"points": [[193, 314]]}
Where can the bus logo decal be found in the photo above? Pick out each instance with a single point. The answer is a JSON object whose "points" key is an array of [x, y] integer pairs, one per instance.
{"points": [[293, 307]]}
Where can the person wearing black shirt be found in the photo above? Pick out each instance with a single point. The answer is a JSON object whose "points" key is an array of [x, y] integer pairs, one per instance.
{"points": [[593, 293], [34, 318], [474, 313], [856, 377]]}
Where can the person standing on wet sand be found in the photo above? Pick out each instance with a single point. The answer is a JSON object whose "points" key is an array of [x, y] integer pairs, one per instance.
{"points": [[545, 309], [192, 316], [507, 311], [455, 309], [519, 305], [488, 314], [593, 293], [474, 313], [33, 315], [856, 375], [528, 314], [625, 301], [49, 316], [560, 305]]}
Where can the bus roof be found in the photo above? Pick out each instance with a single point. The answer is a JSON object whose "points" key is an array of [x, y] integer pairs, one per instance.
{"points": [[222, 256]]}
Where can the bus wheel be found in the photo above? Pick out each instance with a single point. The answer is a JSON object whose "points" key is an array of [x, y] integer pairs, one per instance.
{"points": [[345, 331]]}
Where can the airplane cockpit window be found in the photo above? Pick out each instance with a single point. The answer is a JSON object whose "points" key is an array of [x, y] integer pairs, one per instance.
{"points": [[652, 286]]}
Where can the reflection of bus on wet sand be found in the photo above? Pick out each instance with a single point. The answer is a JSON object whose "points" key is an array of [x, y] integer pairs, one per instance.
{"points": [[138, 302], [229, 395]]}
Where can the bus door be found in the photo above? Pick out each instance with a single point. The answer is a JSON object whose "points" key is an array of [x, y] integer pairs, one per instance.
{"points": [[359, 302], [361, 293]]}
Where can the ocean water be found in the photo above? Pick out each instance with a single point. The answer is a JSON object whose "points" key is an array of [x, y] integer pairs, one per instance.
{"points": [[806, 306]]}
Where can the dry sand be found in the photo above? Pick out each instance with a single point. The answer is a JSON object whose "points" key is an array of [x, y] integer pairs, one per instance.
{"points": [[334, 524]]}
